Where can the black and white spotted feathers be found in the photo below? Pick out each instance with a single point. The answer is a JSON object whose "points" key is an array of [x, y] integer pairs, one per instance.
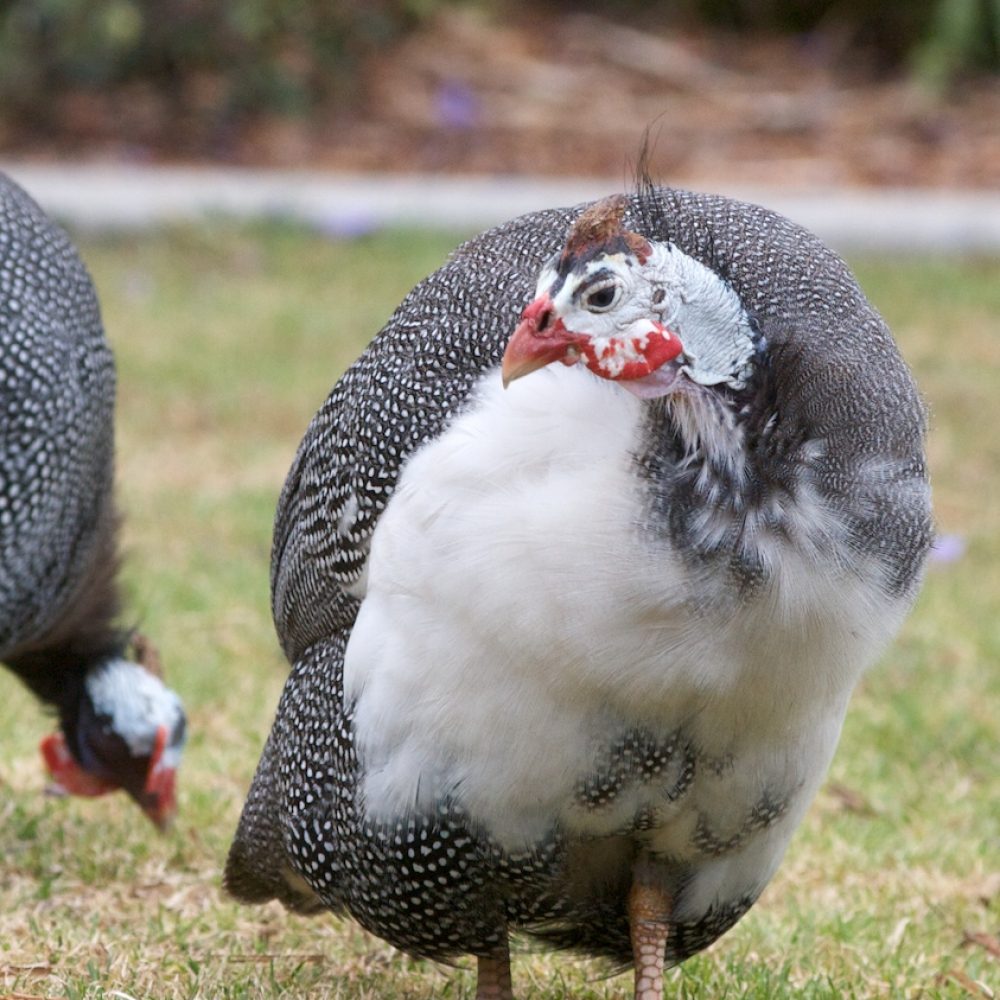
{"points": [[541, 634], [59, 602]]}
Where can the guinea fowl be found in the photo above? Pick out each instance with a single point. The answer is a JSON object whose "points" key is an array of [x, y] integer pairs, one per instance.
{"points": [[119, 725], [571, 658]]}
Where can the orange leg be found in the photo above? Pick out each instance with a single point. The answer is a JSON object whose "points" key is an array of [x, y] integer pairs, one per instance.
{"points": [[649, 921], [493, 976]]}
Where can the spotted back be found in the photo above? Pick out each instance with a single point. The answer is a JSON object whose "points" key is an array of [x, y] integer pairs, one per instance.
{"points": [[57, 385]]}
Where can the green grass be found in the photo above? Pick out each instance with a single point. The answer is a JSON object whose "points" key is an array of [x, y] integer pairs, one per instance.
{"points": [[227, 341]]}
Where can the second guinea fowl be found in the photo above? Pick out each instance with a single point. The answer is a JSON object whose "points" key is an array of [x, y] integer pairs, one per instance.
{"points": [[572, 657], [120, 727]]}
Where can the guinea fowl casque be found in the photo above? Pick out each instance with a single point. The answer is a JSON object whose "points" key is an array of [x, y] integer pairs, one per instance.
{"points": [[572, 643], [119, 725]]}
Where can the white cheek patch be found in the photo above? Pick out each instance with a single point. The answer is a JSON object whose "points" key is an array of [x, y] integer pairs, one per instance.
{"points": [[617, 321], [546, 280], [137, 703]]}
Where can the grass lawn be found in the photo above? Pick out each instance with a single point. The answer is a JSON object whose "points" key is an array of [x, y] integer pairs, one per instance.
{"points": [[227, 342]]}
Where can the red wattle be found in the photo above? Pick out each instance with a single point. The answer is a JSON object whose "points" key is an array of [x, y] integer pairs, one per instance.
{"points": [[67, 774], [659, 347], [161, 780]]}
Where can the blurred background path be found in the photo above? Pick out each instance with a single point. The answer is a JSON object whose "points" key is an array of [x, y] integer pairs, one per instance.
{"points": [[876, 127], [107, 195]]}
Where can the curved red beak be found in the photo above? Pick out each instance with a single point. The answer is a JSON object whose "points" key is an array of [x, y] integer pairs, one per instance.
{"points": [[540, 339]]}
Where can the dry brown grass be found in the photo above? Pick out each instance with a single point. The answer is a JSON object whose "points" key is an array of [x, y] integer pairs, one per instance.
{"points": [[227, 342]]}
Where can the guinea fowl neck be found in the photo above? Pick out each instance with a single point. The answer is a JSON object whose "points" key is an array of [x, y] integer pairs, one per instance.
{"points": [[56, 674], [55, 664]]}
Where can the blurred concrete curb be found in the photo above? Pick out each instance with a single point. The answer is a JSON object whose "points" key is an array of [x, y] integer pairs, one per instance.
{"points": [[113, 196]]}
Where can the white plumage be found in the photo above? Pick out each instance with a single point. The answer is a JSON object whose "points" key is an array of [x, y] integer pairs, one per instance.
{"points": [[516, 621]]}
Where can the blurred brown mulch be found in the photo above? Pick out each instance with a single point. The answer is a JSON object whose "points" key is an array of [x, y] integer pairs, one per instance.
{"points": [[571, 94]]}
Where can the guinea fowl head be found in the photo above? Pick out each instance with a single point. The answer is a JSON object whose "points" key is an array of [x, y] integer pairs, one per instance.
{"points": [[635, 311], [122, 728]]}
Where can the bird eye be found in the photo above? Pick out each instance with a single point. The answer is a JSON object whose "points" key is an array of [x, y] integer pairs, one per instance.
{"points": [[601, 297]]}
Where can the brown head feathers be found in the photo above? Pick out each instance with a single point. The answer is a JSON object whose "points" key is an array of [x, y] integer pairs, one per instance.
{"points": [[600, 228]]}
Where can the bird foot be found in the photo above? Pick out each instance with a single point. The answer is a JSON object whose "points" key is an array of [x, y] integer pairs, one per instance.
{"points": [[649, 913], [493, 976]]}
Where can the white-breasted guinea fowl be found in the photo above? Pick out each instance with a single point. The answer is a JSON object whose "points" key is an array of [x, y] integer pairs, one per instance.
{"points": [[119, 725], [571, 657]]}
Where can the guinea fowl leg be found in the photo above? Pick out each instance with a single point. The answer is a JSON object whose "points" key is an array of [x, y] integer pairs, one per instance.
{"points": [[493, 975], [649, 924]]}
